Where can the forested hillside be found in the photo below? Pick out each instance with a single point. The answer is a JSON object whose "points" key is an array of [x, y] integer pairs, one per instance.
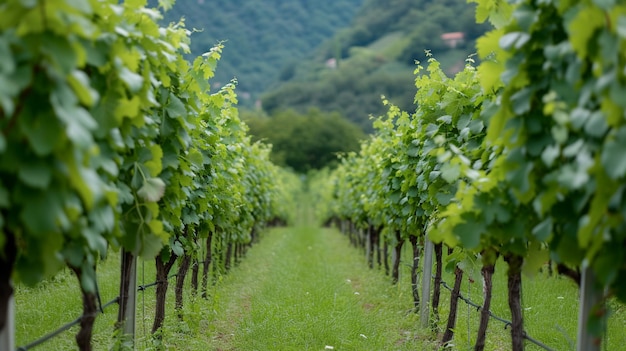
{"points": [[260, 36], [334, 55], [376, 56]]}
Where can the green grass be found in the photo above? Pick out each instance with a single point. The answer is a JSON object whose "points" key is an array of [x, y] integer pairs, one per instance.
{"points": [[304, 288], [57, 301], [550, 307]]}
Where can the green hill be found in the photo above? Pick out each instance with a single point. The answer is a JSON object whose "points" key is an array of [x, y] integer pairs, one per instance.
{"points": [[260, 36], [333, 55], [376, 56]]}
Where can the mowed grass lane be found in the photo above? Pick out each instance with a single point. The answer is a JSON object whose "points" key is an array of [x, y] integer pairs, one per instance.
{"points": [[306, 289]]}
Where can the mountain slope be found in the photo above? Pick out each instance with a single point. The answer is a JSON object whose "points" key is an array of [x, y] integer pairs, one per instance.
{"points": [[260, 36], [376, 56]]}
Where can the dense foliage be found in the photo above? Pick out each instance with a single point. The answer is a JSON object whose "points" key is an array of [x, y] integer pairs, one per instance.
{"points": [[520, 157], [111, 138], [305, 142]]}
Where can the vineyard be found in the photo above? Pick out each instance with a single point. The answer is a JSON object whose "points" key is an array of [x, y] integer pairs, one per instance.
{"points": [[113, 144]]}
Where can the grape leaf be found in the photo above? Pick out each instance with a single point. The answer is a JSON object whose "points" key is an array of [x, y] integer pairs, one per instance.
{"points": [[612, 156], [152, 189]]}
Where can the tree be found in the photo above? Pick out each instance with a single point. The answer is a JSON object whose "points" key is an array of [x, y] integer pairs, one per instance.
{"points": [[306, 142]]}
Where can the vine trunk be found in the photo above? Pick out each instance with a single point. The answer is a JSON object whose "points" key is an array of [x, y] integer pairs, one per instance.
{"points": [[397, 252], [162, 271], [183, 268], [487, 273], [514, 284], [206, 264], [90, 310], [454, 301], [414, 268]]}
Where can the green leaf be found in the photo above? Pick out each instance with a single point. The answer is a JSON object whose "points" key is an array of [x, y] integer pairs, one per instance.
{"points": [[521, 101], [152, 189], [583, 26], [175, 107], [579, 117], [78, 122], [534, 259], [4, 197], [574, 148], [196, 158], [95, 241], [60, 51], [133, 80], [605, 265], [604, 4], [518, 176], [81, 5], [7, 61], [88, 278], [35, 173], [153, 163], [525, 16], [40, 212], [490, 75], [43, 136], [612, 156], [103, 219], [469, 233], [166, 4], [572, 177], [596, 125], [151, 245], [79, 82], [549, 154], [450, 173], [513, 39], [559, 133], [543, 230], [447, 119], [73, 253], [177, 248], [621, 26], [444, 199]]}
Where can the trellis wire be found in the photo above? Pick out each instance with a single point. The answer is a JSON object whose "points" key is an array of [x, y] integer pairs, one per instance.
{"points": [[68, 325], [65, 327], [506, 322]]}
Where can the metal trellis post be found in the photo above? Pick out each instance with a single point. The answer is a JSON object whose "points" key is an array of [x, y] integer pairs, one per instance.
{"points": [[130, 302], [589, 297], [7, 334]]}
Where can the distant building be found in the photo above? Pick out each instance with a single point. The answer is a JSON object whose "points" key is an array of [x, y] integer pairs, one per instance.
{"points": [[331, 63], [453, 39]]}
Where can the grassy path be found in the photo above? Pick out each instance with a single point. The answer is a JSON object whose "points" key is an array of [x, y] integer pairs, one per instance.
{"points": [[304, 289]]}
